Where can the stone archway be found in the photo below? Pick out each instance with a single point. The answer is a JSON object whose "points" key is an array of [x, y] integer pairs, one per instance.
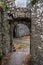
{"points": [[37, 34], [12, 20], [21, 35]]}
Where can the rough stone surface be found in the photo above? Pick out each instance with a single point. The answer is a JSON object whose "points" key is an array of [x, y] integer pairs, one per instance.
{"points": [[17, 12], [0, 34], [4, 33], [21, 30], [37, 33]]}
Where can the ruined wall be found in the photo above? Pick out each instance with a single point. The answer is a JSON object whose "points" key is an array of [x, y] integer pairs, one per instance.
{"points": [[37, 33]]}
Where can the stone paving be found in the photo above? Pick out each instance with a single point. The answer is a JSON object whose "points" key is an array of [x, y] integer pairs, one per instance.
{"points": [[17, 58]]}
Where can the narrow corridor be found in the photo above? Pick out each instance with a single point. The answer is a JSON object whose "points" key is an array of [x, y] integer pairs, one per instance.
{"points": [[22, 50]]}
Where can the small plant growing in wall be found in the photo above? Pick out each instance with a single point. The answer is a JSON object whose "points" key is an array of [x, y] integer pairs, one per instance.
{"points": [[3, 5], [1, 53], [33, 1]]}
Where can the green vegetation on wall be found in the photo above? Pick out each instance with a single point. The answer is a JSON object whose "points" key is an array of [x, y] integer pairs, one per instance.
{"points": [[3, 5], [33, 1], [1, 54]]}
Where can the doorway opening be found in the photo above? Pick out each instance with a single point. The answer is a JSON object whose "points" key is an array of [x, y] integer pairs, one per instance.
{"points": [[21, 28], [21, 35]]}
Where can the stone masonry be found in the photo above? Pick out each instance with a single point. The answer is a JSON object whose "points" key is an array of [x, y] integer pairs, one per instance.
{"points": [[17, 12], [5, 27], [4, 33], [37, 33]]}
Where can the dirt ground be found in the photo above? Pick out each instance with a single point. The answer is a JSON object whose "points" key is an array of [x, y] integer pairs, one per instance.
{"points": [[22, 43], [6, 58], [22, 47]]}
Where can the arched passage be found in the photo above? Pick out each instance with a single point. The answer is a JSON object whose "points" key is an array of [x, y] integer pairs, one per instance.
{"points": [[25, 21], [21, 25], [21, 44], [21, 32], [21, 29]]}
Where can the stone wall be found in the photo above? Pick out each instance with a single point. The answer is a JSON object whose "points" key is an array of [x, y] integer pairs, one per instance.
{"points": [[21, 30], [5, 42], [4, 33], [7, 33], [37, 33], [0, 33], [17, 12]]}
